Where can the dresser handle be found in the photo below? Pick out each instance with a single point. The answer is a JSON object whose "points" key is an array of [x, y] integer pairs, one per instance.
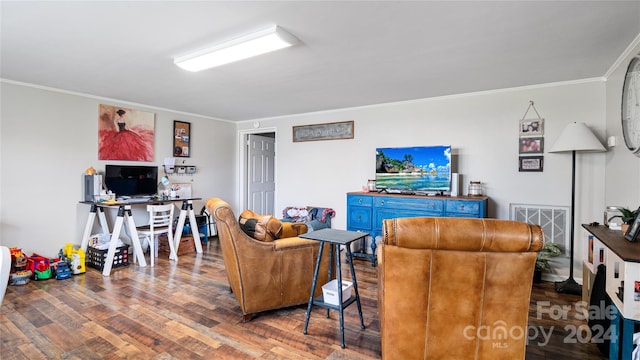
{"points": [[461, 207], [382, 202], [359, 201]]}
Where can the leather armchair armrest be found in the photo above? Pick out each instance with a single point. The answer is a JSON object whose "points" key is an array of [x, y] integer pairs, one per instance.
{"points": [[293, 243]]}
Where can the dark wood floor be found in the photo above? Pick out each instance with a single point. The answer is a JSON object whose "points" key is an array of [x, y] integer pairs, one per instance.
{"points": [[185, 311]]}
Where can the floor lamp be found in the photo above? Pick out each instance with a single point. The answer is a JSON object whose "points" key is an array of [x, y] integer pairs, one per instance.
{"points": [[575, 137]]}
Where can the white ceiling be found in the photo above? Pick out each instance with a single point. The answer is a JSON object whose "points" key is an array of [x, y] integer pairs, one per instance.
{"points": [[351, 53]]}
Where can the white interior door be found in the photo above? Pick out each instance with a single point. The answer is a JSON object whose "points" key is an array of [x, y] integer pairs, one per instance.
{"points": [[261, 184]]}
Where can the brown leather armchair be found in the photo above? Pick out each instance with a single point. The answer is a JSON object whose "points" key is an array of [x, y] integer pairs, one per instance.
{"points": [[266, 275], [453, 288]]}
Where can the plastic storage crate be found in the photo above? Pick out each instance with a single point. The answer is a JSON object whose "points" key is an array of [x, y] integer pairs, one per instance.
{"points": [[96, 257], [330, 291]]}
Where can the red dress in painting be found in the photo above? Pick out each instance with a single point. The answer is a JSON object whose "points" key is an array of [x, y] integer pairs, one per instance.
{"points": [[126, 144]]}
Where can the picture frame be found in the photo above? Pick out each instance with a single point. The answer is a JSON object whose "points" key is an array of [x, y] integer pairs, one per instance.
{"points": [[125, 133], [633, 231], [328, 131], [531, 145], [181, 139], [531, 163], [531, 127]]}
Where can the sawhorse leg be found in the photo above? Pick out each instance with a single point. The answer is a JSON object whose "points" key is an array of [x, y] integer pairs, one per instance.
{"points": [[89, 226], [187, 209], [123, 212]]}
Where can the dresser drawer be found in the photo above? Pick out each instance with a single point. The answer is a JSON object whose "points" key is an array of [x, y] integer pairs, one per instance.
{"points": [[359, 218], [387, 214], [432, 206], [359, 200], [463, 208]]}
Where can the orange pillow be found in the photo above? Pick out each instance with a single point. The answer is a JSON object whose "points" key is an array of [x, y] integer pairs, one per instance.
{"points": [[260, 227]]}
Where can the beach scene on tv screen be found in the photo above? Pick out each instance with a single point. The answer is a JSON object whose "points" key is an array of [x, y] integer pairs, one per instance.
{"points": [[423, 168]]}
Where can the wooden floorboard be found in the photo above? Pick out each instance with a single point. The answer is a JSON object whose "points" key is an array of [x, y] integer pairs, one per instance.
{"points": [[184, 310]]}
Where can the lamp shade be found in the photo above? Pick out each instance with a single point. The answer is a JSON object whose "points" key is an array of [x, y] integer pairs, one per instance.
{"points": [[577, 137]]}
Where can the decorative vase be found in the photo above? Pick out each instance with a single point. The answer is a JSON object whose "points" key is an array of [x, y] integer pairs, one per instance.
{"points": [[624, 228]]}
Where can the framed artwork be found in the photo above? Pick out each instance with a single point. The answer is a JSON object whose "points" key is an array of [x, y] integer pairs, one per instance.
{"points": [[531, 127], [181, 139], [125, 134], [531, 163], [634, 229], [328, 131], [531, 145]]}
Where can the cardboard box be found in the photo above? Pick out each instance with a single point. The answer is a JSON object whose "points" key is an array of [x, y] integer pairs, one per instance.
{"points": [[186, 245]]}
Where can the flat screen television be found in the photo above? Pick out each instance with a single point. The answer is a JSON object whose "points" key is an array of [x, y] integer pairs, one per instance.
{"points": [[127, 180], [418, 169]]}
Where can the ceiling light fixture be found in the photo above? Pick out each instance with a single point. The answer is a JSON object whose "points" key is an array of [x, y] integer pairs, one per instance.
{"points": [[257, 43]]}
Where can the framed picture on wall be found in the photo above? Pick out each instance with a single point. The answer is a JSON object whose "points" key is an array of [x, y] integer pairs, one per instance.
{"points": [[531, 163], [125, 134], [531, 145], [531, 127], [181, 139]]}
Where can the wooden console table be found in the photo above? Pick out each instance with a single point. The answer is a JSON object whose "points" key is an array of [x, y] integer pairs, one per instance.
{"points": [[622, 260]]}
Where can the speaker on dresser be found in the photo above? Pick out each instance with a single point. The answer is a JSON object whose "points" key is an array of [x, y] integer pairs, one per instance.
{"points": [[455, 184]]}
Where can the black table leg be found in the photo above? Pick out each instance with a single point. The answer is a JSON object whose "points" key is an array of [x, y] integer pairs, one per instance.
{"points": [[340, 301], [330, 269], [313, 287], [355, 288]]}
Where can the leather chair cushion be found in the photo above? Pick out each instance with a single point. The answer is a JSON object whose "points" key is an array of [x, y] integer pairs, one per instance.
{"points": [[260, 227]]}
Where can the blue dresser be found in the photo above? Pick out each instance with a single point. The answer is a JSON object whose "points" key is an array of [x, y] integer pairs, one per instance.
{"points": [[365, 211]]}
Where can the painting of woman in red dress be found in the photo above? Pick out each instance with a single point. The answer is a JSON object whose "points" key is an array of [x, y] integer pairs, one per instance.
{"points": [[125, 134]]}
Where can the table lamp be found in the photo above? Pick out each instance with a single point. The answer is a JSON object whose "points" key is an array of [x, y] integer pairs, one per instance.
{"points": [[575, 137]]}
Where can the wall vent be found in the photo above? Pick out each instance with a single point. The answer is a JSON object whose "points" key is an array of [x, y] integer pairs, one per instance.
{"points": [[553, 220]]}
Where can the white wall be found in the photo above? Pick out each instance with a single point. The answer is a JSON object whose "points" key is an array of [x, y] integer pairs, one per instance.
{"points": [[49, 138], [622, 174], [483, 130]]}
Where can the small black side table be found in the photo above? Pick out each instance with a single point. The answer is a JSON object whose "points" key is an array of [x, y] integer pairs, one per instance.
{"points": [[334, 237]]}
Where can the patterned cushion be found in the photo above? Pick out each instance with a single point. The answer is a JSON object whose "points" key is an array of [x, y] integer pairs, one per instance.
{"points": [[260, 227]]}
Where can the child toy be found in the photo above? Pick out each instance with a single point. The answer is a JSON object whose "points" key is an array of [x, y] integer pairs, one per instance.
{"points": [[20, 277], [40, 266], [18, 259], [75, 258], [61, 270]]}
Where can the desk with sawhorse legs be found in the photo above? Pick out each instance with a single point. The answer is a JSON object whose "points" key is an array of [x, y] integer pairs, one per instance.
{"points": [[124, 217]]}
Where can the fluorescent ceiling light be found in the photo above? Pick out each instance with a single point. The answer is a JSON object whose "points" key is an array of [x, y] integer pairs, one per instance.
{"points": [[260, 42]]}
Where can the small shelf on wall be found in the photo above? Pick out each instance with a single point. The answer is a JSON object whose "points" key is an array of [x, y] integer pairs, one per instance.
{"points": [[179, 169]]}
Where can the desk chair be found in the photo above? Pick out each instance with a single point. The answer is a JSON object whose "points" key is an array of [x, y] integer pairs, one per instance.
{"points": [[5, 268], [160, 222]]}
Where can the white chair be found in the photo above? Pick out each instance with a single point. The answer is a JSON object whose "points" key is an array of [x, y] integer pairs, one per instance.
{"points": [[5, 268], [160, 222]]}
